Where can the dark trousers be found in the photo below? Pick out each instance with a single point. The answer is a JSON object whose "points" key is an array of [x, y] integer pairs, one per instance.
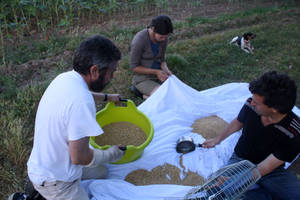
{"points": [[280, 184]]}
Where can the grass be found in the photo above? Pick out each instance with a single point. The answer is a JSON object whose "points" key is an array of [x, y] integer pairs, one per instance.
{"points": [[55, 44], [199, 54]]}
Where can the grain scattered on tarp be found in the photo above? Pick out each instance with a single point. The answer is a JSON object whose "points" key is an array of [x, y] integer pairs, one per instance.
{"points": [[209, 127], [164, 174]]}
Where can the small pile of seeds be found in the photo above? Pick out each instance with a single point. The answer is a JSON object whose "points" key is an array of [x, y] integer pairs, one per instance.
{"points": [[123, 133], [165, 174], [209, 127]]}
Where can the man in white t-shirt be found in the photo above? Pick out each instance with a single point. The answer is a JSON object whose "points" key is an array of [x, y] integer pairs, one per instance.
{"points": [[65, 120]]}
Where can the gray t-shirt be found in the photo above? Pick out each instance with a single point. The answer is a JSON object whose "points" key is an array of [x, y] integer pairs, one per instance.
{"points": [[141, 52]]}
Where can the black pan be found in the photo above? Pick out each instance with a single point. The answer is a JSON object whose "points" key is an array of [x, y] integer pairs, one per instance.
{"points": [[185, 144]]}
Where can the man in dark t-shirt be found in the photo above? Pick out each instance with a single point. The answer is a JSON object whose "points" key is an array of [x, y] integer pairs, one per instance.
{"points": [[270, 136], [258, 141]]}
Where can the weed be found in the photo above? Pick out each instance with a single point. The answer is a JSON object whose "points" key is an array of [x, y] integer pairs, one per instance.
{"points": [[8, 87]]}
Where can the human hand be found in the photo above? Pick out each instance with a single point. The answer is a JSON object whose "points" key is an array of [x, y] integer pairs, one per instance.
{"points": [[111, 154], [161, 75], [210, 143], [169, 73], [114, 97], [115, 153]]}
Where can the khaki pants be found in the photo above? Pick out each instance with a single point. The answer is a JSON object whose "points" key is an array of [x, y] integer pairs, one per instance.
{"points": [[59, 190], [145, 83]]}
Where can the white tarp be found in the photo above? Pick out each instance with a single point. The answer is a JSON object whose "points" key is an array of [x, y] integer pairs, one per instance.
{"points": [[172, 109]]}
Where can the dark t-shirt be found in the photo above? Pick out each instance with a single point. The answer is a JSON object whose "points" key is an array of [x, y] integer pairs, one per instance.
{"points": [[257, 142]]}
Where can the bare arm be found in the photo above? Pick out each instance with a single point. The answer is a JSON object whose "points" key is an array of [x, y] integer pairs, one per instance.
{"points": [[143, 70], [269, 164], [80, 152], [138, 45], [160, 74], [234, 126]]}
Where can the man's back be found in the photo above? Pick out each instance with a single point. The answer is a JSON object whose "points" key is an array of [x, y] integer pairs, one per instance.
{"points": [[58, 115]]}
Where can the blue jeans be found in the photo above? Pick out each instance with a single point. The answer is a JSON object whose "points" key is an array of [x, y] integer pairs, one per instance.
{"points": [[280, 184]]}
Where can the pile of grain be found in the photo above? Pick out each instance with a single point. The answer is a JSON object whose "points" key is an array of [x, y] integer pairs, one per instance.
{"points": [[209, 127], [165, 174], [123, 133]]}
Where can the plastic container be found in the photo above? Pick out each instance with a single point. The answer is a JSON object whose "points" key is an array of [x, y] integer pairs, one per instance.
{"points": [[126, 112]]}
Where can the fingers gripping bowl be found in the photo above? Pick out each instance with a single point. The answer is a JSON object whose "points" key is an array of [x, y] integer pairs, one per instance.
{"points": [[127, 112]]}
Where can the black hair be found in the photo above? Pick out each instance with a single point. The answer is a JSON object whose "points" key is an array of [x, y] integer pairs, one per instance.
{"points": [[249, 35], [162, 25], [95, 50], [279, 91]]}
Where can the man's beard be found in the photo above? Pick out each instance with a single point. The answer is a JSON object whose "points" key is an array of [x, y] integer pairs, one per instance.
{"points": [[98, 85]]}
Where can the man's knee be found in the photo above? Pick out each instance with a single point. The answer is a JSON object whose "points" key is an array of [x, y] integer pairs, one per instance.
{"points": [[282, 184], [156, 88]]}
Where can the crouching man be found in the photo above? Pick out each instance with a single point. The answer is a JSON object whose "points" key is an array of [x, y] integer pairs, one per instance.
{"points": [[270, 136], [65, 120]]}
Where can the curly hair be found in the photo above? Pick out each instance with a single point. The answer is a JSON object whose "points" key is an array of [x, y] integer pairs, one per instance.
{"points": [[95, 50], [279, 91]]}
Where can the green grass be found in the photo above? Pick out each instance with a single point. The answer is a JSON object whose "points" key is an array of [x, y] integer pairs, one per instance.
{"points": [[211, 61], [193, 25], [199, 54], [16, 125]]}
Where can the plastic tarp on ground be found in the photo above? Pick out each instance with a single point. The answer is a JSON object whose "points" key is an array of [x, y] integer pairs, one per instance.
{"points": [[173, 108]]}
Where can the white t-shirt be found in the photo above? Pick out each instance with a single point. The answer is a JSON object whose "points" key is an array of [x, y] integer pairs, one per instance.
{"points": [[66, 112]]}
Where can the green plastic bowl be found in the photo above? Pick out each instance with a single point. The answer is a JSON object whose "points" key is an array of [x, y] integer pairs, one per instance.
{"points": [[126, 112]]}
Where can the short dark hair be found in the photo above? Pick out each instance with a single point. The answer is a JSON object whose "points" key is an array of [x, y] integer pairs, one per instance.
{"points": [[279, 91], [162, 25], [95, 50]]}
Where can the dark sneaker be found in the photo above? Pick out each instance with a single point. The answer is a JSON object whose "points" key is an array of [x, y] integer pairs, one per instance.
{"points": [[136, 92], [31, 192], [18, 196]]}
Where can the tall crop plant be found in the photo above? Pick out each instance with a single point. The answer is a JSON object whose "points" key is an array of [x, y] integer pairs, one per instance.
{"points": [[20, 15], [19, 18]]}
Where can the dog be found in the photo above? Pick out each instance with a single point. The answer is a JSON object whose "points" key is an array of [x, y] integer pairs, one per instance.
{"points": [[244, 42]]}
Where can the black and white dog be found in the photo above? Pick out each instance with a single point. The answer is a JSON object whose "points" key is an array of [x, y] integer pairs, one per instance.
{"points": [[244, 42]]}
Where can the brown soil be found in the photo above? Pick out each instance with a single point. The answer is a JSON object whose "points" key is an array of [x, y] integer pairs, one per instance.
{"points": [[124, 133], [38, 70], [165, 174], [209, 127]]}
